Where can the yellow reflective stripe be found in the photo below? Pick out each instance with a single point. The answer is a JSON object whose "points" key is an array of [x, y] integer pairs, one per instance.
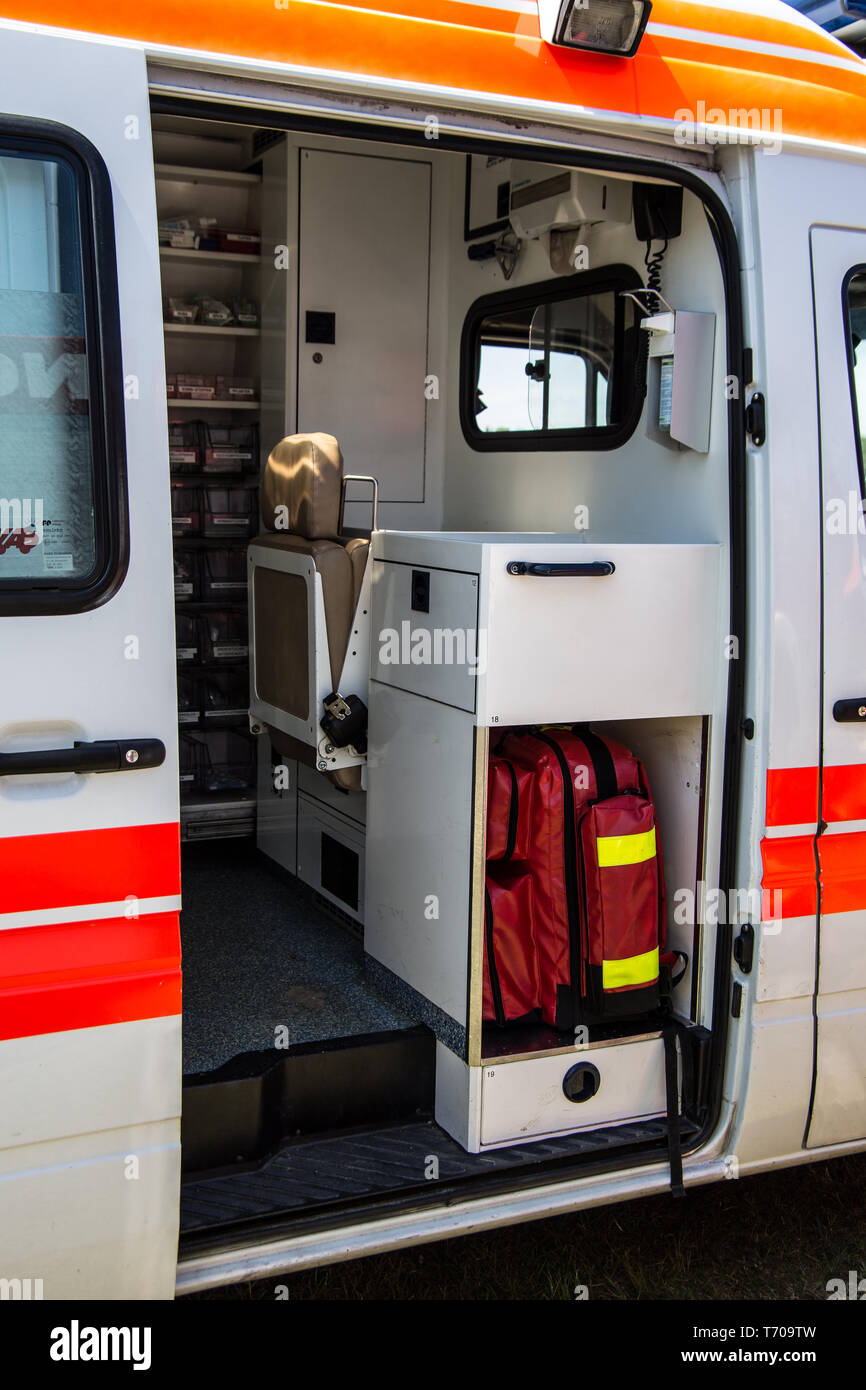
{"points": [[634, 970], [626, 849]]}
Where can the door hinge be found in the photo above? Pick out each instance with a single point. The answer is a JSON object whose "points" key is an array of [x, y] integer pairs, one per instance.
{"points": [[756, 419], [744, 948]]}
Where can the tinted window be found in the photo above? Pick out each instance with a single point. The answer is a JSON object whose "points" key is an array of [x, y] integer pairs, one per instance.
{"points": [[856, 305], [56, 531]]}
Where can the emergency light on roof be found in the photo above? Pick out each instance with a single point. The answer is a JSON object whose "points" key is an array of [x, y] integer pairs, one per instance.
{"points": [[603, 26]]}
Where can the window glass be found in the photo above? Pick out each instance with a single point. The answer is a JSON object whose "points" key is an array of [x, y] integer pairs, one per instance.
{"points": [[549, 365], [47, 527], [857, 328]]}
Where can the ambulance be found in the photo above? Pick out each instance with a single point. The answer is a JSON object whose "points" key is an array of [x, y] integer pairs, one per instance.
{"points": [[381, 385]]}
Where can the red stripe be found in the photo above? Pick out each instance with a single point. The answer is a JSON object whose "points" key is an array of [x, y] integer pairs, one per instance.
{"points": [[789, 869], [89, 866], [844, 793], [843, 872], [84, 974], [792, 796]]}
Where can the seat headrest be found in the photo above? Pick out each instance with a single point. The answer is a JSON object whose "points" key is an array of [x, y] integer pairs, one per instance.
{"points": [[301, 485]]}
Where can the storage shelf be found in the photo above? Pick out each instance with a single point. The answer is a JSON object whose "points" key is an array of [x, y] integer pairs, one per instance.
{"points": [[204, 330], [208, 478], [215, 542], [210, 668], [175, 402], [217, 721], [190, 173], [189, 253], [221, 605]]}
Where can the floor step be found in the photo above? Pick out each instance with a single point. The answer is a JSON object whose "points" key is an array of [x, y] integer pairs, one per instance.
{"points": [[327, 1170], [242, 1111]]}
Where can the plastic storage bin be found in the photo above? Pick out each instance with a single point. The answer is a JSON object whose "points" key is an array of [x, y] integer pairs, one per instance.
{"points": [[228, 511], [225, 636], [225, 699], [185, 510], [187, 584], [226, 761], [189, 758], [187, 637], [231, 448], [188, 700], [184, 445], [224, 574]]}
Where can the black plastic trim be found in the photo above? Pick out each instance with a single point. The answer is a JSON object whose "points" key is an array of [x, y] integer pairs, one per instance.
{"points": [[859, 425], [105, 374]]}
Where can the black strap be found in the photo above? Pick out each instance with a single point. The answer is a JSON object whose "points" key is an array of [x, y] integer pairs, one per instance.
{"points": [[602, 763], [513, 812], [669, 1035]]}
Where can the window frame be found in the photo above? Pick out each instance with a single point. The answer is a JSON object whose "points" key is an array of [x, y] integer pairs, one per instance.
{"points": [[858, 423], [106, 414], [612, 278]]}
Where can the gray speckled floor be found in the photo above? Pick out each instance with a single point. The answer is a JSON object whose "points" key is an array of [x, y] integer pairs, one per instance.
{"points": [[258, 954]]}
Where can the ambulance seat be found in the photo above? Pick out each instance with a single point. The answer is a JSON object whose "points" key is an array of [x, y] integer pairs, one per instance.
{"points": [[306, 580]]}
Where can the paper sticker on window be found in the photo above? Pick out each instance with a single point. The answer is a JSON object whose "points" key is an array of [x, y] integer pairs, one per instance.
{"points": [[59, 564]]}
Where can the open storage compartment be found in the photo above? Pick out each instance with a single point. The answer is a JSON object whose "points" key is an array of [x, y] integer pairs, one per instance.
{"points": [[564, 645]]}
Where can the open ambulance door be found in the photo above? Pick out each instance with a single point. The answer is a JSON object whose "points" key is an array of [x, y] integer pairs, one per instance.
{"points": [[90, 1067], [839, 1087]]}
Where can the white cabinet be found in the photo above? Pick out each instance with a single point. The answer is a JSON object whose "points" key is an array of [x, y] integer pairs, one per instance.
{"points": [[631, 634]]}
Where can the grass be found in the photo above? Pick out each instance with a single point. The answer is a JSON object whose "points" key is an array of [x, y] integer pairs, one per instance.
{"points": [[779, 1235]]}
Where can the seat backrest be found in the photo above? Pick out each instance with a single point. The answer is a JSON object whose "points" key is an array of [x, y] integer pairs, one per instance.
{"points": [[300, 507], [300, 490]]}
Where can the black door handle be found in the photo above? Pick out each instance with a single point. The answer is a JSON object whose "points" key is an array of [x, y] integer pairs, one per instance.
{"points": [[595, 570], [105, 755], [850, 711]]}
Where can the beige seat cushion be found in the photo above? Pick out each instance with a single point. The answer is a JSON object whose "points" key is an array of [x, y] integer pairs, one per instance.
{"points": [[357, 550]]}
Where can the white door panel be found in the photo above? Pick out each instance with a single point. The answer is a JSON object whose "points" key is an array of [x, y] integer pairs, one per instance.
{"points": [[839, 1108], [89, 942]]}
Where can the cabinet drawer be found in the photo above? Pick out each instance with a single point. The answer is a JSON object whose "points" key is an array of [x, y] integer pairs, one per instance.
{"points": [[520, 1100], [639, 643], [434, 652]]}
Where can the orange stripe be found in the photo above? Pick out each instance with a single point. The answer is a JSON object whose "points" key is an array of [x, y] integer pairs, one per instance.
{"points": [[667, 75], [743, 24], [85, 974], [792, 796], [789, 869], [89, 866]]}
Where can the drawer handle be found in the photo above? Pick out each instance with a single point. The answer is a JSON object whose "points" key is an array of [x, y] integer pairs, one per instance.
{"points": [[594, 570]]}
